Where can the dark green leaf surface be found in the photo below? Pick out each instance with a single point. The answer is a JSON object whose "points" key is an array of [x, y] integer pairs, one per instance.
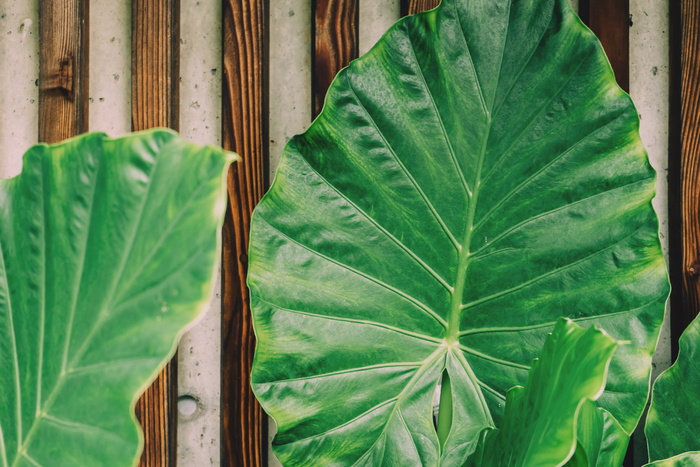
{"points": [[539, 423], [472, 178], [674, 415], [108, 249]]}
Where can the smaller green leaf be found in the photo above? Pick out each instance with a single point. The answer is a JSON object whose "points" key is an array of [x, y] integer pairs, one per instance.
{"points": [[539, 423], [108, 249], [688, 459], [600, 436], [579, 458], [674, 415]]}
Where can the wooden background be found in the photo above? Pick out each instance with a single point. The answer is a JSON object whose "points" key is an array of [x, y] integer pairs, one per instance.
{"points": [[241, 77]]}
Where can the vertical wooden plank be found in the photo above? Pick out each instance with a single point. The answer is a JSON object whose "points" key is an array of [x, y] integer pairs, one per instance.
{"points": [[154, 102], [199, 352], [685, 156], [335, 43], [374, 20], [244, 131], [610, 20], [154, 63], [110, 67], [63, 69], [410, 7]]}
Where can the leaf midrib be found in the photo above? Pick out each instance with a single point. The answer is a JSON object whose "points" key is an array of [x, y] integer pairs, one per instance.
{"points": [[465, 255]]}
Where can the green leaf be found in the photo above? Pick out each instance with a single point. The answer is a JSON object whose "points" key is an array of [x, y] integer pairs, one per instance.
{"points": [[601, 436], [539, 423], [687, 459], [472, 178], [108, 249], [674, 415]]}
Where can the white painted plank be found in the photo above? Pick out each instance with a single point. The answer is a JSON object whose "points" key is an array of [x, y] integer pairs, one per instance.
{"points": [[110, 67], [199, 356], [289, 91], [649, 88], [19, 94], [290, 73], [375, 18]]}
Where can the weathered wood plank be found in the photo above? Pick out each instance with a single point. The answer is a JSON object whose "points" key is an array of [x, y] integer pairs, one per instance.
{"points": [[155, 71], [609, 20], [335, 26], [155, 102], [410, 7], [684, 167], [63, 69], [244, 130]]}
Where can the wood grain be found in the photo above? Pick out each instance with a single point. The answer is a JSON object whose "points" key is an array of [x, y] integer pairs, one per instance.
{"points": [[243, 423], [335, 43], [684, 167], [155, 54], [610, 21], [63, 69], [410, 7], [154, 103]]}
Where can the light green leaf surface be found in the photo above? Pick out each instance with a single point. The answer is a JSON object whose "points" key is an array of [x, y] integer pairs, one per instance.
{"points": [[674, 415], [475, 176], [108, 249], [687, 459], [539, 424], [600, 436]]}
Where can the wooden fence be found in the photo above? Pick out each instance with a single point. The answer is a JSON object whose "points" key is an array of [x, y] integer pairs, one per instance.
{"points": [[248, 87]]}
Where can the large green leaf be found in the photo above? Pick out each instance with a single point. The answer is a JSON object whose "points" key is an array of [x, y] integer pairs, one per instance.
{"points": [[472, 178], [108, 248], [674, 415], [539, 424]]}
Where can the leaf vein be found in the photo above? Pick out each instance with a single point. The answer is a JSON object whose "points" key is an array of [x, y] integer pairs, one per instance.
{"points": [[520, 225], [532, 177], [440, 120], [369, 278], [533, 120], [356, 321], [388, 234], [549, 273], [493, 359]]}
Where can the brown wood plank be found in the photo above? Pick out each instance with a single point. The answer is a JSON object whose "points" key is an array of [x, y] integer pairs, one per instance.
{"points": [[63, 69], [684, 166], [335, 43], [155, 38], [410, 7], [610, 21], [243, 423]]}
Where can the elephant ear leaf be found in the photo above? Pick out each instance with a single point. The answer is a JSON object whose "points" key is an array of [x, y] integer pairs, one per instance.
{"points": [[108, 249], [475, 176], [539, 423], [674, 415]]}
